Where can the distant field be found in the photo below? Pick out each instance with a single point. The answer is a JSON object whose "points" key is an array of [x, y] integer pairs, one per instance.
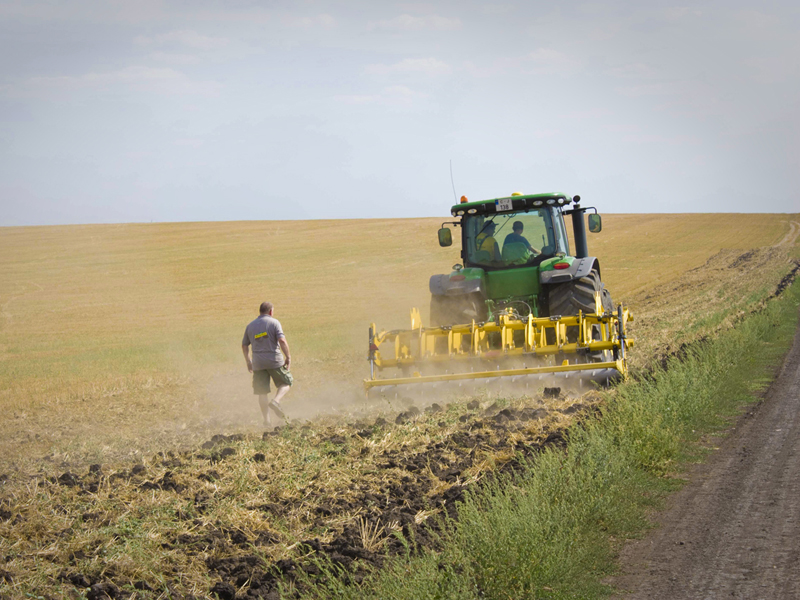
{"points": [[117, 337]]}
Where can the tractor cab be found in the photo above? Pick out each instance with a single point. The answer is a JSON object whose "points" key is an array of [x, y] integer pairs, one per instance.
{"points": [[507, 244], [513, 239]]}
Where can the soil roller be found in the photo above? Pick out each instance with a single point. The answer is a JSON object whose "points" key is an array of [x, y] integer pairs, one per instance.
{"points": [[521, 306]]}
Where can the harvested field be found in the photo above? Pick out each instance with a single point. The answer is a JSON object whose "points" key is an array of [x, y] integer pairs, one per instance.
{"points": [[130, 449], [105, 324]]}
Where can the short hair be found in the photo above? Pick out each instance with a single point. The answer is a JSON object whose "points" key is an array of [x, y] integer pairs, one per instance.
{"points": [[517, 225], [265, 308]]}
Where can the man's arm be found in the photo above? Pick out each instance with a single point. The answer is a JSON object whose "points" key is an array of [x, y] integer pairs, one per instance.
{"points": [[285, 349], [246, 352]]}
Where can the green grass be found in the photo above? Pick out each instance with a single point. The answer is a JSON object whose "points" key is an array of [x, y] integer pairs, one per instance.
{"points": [[553, 530]]}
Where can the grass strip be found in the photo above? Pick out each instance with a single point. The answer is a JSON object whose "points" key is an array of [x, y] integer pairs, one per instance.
{"points": [[553, 530]]}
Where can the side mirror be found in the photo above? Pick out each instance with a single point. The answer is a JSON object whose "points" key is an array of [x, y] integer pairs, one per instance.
{"points": [[445, 237], [595, 223]]}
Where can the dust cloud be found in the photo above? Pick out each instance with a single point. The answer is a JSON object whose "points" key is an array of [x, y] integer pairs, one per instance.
{"points": [[231, 404]]}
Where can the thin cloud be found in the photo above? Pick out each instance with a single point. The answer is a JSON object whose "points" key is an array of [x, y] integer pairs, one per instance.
{"points": [[542, 61], [174, 58], [499, 66], [648, 89], [423, 66], [592, 114], [137, 78], [357, 98], [673, 140], [773, 69], [498, 9], [675, 13], [548, 61], [411, 23], [272, 19], [636, 70], [186, 37], [395, 95], [541, 134], [187, 46], [757, 20], [322, 20]]}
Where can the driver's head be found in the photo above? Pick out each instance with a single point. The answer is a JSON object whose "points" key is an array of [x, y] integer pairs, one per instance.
{"points": [[517, 226], [490, 227]]}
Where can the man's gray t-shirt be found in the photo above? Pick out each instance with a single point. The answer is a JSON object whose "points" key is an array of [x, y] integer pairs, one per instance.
{"points": [[264, 333]]}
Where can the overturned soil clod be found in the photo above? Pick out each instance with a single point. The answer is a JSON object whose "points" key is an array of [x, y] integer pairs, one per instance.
{"points": [[253, 514]]}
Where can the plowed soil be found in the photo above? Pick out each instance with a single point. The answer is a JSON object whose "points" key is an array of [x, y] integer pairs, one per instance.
{"points": [[240, 520], [734, 531]]}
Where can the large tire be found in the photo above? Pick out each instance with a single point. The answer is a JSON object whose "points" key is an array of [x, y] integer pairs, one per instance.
{"points": [[608, 304], [457, 310], [568, 298], [581, 294]]}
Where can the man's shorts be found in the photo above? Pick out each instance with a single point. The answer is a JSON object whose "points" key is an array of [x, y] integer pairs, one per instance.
{"points": [[282, 377]]}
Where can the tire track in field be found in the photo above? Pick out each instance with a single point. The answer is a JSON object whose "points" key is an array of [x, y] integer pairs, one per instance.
{"points": [[7, 316], [791, 235]]}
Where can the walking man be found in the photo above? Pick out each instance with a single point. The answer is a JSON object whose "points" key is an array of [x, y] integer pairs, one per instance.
{"points": [[271, 360]]}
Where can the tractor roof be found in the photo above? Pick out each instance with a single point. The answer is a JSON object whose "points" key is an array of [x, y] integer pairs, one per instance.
{"points": [[510, 203]]}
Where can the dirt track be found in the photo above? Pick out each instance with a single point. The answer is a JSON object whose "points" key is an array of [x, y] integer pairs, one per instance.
{"points": [[734, 530]]}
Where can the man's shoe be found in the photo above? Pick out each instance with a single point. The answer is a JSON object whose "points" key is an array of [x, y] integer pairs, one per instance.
{"points": [[277, 408]]}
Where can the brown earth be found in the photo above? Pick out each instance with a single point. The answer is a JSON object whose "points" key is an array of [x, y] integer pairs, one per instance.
{"points": [[93, 522], [734, 531]]}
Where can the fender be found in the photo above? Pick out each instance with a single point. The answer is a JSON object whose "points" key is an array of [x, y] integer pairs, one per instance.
{"points": [[580, 267], [443, 285]]}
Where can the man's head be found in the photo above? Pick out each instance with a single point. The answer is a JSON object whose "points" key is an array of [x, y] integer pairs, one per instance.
{"points": [[266, 308], [517, 227], [490, 227]]}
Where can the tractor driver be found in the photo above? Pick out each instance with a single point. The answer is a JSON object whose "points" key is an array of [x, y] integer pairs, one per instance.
{"points": [[485, 242], [516, 237]]}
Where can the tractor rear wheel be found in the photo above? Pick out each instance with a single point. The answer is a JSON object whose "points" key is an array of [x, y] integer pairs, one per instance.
{"points": [[581, 294]]}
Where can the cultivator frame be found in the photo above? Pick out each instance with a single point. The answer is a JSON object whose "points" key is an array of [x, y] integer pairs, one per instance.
{"points": [[508, 339]]}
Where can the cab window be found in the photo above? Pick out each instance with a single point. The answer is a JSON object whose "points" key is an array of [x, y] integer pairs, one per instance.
{"points": [[511, 239]]}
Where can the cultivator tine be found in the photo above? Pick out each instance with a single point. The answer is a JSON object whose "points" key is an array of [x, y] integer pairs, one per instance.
{"points": [[459, 352]]}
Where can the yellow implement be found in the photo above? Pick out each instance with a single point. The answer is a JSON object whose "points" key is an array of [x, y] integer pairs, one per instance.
{"points": [[587, 345]]}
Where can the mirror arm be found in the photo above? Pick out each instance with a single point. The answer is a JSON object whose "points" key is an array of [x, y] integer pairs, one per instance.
{"points": [[569, 212]]}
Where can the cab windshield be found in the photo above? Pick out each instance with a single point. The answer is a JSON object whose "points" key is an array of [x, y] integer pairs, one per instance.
{"points": [[512, 239]]}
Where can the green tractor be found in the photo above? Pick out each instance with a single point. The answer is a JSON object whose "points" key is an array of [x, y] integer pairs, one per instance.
{"points": [[521, 305], [516, 256]]}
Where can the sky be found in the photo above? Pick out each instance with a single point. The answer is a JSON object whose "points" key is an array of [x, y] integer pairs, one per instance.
{"points": [[166, 110]]}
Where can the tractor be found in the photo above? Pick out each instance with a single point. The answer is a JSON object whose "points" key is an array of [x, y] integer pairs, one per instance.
{"points": [[520, 304]]}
